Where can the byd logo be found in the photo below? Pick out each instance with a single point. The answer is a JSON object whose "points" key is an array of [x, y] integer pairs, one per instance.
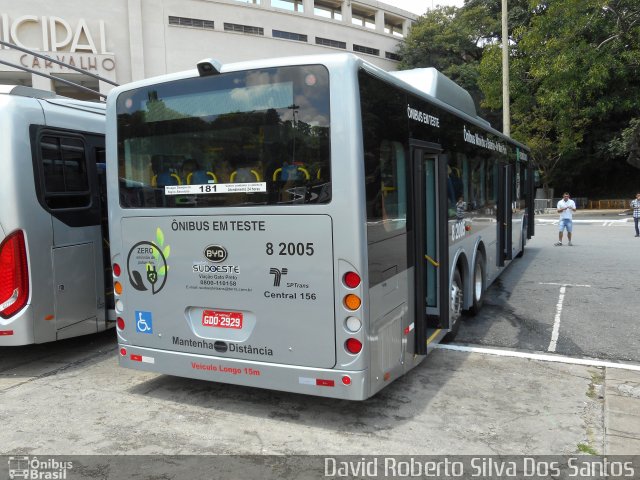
{"points": [[215, 253]]}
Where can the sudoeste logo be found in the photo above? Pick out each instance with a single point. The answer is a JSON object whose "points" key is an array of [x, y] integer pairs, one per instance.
{"points": [[215, 253], [144, 322]]}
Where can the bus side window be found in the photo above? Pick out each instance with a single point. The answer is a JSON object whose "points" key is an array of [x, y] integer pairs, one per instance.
{"points": [[64, 170], [454, 189], [477, 200], [393, 198]]}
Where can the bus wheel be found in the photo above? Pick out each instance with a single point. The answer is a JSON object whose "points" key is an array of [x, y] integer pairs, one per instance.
{"points": [[456, 297], [479, 285]]}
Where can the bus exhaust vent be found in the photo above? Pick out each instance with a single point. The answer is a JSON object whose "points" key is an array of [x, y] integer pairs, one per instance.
{"points": [[434, 83]]}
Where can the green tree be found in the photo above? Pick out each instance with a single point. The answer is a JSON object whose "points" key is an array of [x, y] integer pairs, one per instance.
{"points": [[453, 40], [574, 87], [440, 39], [575, 78]]}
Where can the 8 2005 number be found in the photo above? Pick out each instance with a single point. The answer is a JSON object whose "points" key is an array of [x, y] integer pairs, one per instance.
{"points": [[290, 249]]}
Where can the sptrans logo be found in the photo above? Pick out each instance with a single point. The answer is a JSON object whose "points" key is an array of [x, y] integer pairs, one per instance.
{"points": [[36, 469]]}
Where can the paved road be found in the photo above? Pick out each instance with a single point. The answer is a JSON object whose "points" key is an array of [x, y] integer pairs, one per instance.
{"points": [[598, 313]]}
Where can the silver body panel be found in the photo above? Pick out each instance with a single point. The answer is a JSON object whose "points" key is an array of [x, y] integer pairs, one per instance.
{"points": [[66, 285]]}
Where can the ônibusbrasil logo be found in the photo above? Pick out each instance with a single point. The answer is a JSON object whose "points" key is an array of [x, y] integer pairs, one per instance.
{"points": [[147, 264], [34, 468]]}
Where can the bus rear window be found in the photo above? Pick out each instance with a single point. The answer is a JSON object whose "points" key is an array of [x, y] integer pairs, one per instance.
{"points": [[241, 138]]}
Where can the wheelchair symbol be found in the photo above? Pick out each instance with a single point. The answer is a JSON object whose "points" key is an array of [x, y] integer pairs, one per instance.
{"points": [[144, 322]]}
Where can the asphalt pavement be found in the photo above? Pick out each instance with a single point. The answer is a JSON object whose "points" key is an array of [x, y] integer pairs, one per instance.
{"points": [[577, 303], [621, 386]]}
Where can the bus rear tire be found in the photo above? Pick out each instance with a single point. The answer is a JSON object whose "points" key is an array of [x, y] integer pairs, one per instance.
{"points": [[456, 301], [479, 284]]}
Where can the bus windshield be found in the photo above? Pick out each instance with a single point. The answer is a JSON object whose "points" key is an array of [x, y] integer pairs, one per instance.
{"points": [[245, 138]]}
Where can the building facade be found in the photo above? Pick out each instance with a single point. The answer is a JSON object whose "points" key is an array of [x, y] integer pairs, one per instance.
{"points": [[128, 40]]}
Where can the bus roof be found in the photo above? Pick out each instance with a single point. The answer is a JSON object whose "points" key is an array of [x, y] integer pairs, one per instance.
{"points": [[51, 97], [23, 91]]}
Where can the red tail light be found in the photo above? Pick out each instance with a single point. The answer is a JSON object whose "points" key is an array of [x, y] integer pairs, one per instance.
{"points": [[351, 279], [353, 346], [14, 274]]}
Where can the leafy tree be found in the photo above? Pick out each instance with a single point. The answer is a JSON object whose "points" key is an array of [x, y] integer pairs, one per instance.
{"points": [[574, 87], [575, 79], [453, 41], [441, 40]]}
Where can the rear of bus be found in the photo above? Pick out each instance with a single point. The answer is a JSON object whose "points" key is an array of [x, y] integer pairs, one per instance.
{"points": [[224, 211]]}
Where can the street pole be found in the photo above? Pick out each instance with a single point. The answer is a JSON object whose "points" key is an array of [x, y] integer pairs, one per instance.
{"points": [[506, 121]]}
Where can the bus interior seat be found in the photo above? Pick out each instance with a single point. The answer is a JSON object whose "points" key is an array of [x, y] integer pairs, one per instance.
{"points": [[245, 175], [200, 177], [164, 179], [291, 172]]}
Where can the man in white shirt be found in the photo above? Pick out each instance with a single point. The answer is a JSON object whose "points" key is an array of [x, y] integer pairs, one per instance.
{"points": [[566, 207]]}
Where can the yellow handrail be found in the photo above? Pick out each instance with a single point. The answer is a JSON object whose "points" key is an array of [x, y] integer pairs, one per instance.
{"points": [[432, 261]]}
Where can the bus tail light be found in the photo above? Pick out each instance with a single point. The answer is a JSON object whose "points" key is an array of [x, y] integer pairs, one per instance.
{"points": [[120, 323], [353, 324], [353, 346], [352, 302], [117, 287], [14, 274], [351, 279], [116, 270]]}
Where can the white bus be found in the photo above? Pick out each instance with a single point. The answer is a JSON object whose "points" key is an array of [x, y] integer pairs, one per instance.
{"points": [[309, 224], [55, 273]]}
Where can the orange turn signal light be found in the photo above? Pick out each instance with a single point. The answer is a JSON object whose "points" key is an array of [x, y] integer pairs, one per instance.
{"points": [[117, 287], [352, 302]]}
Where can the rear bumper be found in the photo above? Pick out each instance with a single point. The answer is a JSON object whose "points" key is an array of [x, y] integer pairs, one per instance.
{"points": [[273, 376], [17, 330]]}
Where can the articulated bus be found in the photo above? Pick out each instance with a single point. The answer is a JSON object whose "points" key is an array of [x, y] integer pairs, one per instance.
{"points": [[55, 272], [311, 224]]}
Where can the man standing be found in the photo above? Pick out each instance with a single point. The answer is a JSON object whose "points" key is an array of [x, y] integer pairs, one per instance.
{"points": [[566, 207], [635, 204]]}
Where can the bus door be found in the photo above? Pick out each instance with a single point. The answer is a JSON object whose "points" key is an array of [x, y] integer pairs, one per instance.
{"points": [[505, 200], [67, 188], [430, 250]]}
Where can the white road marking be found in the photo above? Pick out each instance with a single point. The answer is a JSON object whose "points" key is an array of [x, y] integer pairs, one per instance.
{"points": [[590, 362], [556, 321], [605, 223]]}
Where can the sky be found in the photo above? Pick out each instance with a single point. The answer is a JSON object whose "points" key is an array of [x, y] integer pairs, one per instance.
{"points": [[421, 6]]}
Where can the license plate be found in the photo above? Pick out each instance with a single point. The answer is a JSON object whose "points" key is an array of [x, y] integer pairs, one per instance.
{"points": [[219, 319]]}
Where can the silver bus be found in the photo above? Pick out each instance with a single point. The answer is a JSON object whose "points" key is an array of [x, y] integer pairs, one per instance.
{"points": [[311, 224], [55, 273]]}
